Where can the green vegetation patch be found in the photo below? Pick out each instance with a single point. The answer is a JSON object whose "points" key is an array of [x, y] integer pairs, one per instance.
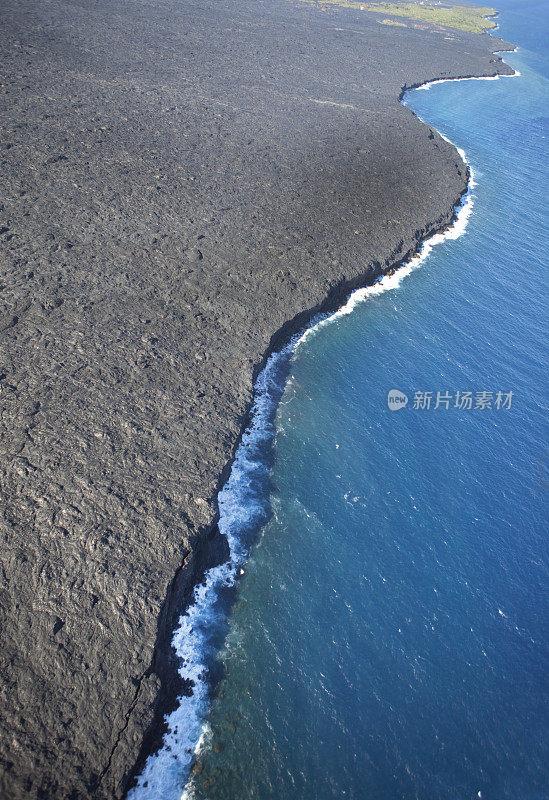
{"points": [[471, 19]]}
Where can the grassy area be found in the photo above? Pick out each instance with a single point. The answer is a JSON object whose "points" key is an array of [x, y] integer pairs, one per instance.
{"points": [[471, 19], [465, 18], [392, 22]]}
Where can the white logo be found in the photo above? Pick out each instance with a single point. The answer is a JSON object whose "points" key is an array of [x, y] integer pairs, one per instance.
{"points": [[396, 400]]}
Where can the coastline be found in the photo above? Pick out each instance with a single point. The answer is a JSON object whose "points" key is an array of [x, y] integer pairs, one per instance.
{"points": [[206, 556], [152, 772], [408, 519], [130, 353]]}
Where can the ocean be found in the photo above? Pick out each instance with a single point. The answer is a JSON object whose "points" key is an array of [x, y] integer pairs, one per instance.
{"points": [[387, 513]]}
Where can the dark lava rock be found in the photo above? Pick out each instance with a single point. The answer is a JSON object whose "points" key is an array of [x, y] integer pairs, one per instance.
{"points": [[184, 184]]}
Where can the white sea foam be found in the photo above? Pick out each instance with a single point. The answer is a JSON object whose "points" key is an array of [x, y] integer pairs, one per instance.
{"points": [[456, 230], [241, 507], [392, 281], [426, 86]]}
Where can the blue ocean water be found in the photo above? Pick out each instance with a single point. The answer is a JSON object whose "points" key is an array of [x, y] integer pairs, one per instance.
{"points": [[389, 636]]}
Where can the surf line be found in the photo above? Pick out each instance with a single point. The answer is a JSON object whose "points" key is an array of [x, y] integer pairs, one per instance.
{"points": [[463, 211], [243, 506]]}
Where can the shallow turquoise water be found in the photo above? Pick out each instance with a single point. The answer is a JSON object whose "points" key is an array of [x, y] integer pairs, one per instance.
{"points": [[389, 637]]}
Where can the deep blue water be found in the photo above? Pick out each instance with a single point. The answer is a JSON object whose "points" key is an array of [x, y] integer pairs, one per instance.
{"points": [[389, 637]]}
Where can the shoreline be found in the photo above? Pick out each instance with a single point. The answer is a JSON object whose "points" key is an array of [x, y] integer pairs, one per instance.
{"points": [[342, 300], [192, 573], [169, 223]]}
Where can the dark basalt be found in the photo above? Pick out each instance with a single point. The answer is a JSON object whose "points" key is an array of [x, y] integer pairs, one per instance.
{"points": [[184, 184]]}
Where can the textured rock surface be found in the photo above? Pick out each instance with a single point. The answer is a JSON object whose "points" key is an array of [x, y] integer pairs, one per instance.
{"points": [[180, 180]]}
